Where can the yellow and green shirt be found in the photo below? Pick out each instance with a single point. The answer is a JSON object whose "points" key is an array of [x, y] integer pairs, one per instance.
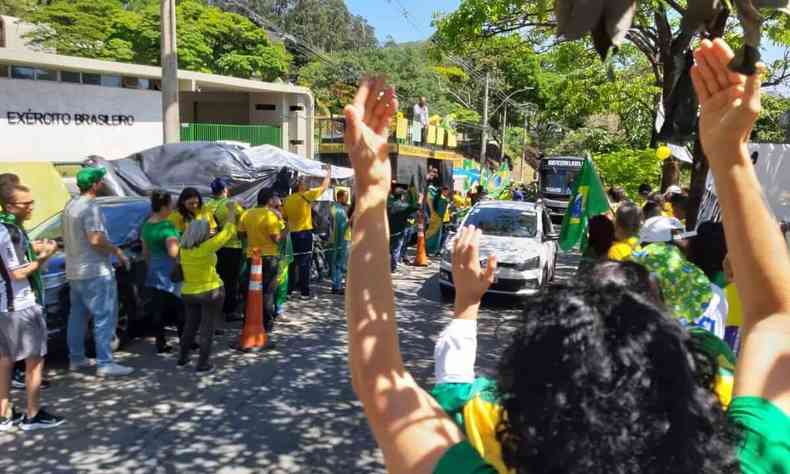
{"points": [[297, 210], [203, 213], [622, 249], [219, 211], [200, 263], [260, 224]]}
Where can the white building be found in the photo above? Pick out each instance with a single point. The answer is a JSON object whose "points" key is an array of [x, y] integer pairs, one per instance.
{"points": [[64, 109]]}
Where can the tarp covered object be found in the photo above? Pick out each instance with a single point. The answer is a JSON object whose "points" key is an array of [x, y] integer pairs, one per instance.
{"points": [[271, 156], [177, 166]]}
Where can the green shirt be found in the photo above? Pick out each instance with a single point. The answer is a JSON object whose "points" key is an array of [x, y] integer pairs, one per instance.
{"points": [[764, 449], [155, 236]]}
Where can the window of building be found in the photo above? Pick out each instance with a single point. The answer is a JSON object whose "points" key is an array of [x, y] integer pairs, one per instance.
{"points": [[3, 71], [46, 75], [19, 72], [130, 83], [70, 76], [111, 81], [143, 84], [91, 79]]}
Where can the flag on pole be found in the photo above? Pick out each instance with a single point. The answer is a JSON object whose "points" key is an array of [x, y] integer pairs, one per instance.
{"points": [[588, 199]]}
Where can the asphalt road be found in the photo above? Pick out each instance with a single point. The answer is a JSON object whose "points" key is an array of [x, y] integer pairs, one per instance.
{"points": [[290, 409]]}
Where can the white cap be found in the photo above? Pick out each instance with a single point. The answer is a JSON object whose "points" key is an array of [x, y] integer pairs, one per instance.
{"points": [[674, 189], [660, 229]]}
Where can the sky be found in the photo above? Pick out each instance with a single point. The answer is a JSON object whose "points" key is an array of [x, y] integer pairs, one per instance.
{"points": [[386, 16]]}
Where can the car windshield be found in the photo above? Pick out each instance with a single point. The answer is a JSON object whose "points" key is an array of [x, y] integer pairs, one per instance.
{"points": [[123, 219], [504, 222]]}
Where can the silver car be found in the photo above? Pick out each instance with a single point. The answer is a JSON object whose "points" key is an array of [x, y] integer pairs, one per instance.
{"points": [[521, 236]]}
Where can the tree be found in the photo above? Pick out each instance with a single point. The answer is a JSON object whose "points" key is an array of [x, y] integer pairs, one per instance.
{"points": [[660, 29], [210, 40], [16, 8], [408, 67]]}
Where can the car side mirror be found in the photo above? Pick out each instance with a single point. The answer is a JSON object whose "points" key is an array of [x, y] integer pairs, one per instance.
{"points": [[551, 236]]}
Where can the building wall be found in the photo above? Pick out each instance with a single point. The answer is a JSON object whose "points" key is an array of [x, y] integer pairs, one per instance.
{"points": [[215, 107], [88, 120]]}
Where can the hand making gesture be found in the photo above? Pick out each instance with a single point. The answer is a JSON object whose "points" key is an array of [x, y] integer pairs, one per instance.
{"points": [[367, 130], [471, 280]]}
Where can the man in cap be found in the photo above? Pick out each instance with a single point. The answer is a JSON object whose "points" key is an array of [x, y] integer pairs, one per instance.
{"points": [[89, 270], [229, 257], [23, 325]]}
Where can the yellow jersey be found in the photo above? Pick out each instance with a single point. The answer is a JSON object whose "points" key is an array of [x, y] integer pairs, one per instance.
{"points": [[297, 210], [260, 224], [203, 213]]}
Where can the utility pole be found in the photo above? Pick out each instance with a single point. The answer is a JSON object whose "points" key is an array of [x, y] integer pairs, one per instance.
{"points": [[504, 133], [171, 121], [484, 138]]}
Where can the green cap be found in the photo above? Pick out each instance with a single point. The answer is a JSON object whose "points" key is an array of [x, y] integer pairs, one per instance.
{"points": [[87, 177]]}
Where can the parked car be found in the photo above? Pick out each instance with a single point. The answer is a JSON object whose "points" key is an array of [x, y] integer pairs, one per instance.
{"points": [[124, 217], [521, 236]]}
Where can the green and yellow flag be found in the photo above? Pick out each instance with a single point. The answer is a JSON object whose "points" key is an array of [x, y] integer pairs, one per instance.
{"points": [[588, 199]]}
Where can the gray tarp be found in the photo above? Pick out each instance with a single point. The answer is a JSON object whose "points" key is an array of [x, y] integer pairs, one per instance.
{"points": [[177, 166]]}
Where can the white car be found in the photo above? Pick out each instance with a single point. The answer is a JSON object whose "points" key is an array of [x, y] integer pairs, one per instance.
{"points": [[521, 236]]}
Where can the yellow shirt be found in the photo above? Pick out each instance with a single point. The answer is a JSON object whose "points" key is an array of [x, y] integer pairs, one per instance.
{"points": [[200, 263], [668, 212], [623, 249], [203, 213], [260, 224], [735, 312], [297, 207], [216, 208]]}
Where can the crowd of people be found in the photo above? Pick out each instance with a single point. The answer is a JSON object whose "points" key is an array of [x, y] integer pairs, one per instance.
{"points": [[196, 255], [614, 372]]}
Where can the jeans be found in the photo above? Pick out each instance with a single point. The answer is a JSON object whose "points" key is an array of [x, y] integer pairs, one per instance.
{"points": [[397, 244], [339, 262], [164, 304], [303, 248], [203, 311], [229, 268], [96, 298]]}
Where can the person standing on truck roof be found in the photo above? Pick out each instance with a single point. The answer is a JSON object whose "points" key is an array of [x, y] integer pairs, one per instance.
{"points": [[297, 212], [421, 117], [91, 276], [23, 325], [229, 257]]}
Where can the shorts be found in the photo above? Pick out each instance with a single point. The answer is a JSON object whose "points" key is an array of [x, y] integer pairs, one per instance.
{"points": [[23, 334]]}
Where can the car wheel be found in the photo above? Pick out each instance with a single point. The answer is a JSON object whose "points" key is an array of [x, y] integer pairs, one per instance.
{"points": [[448, 293]]}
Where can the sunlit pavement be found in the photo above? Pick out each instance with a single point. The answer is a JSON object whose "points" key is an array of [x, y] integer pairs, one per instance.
{"points": [[289, 409]]}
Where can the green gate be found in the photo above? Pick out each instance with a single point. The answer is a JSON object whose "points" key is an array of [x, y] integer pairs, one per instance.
{"points": [[210, 132]]}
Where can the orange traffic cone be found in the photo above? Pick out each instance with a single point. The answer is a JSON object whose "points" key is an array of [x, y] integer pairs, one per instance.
{"points": [[421, 260], [253, 336]]}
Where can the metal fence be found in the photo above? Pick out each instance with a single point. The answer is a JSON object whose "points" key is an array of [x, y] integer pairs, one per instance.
{"points": [[253, 134]]}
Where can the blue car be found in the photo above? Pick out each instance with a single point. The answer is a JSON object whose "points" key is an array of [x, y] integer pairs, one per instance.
{"points": [[124, 217]]}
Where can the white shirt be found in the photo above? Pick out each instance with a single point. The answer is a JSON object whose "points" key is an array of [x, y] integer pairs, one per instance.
{"points": [[421, 114]]}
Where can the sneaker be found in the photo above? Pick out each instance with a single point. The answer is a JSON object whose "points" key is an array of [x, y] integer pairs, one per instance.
{"points": [[205, 370], [41, 421], [113, 370], [87, 363], [10, 422], [18, 381]]}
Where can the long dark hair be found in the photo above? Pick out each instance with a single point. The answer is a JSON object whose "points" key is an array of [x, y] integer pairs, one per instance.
{"points": [[186, 195], [598, 379], [159, 199]]}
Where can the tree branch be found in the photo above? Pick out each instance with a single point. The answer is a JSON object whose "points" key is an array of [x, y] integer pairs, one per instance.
{"points": [[676, 6]]}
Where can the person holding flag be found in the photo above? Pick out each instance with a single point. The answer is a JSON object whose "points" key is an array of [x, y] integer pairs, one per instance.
{"points": [[588, 199]]}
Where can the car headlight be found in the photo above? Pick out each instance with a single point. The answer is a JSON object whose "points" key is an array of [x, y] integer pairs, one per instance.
{"points": [[529, 264]]}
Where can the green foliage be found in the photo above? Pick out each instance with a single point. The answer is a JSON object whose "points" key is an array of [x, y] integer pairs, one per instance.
{"points": [[16, 7], [209, 40], [406, 66], [767, 129], [592, 140], [629, 168]]}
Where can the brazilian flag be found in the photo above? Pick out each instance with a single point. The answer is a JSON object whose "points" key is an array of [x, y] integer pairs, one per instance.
{"points": [[588, 199]]}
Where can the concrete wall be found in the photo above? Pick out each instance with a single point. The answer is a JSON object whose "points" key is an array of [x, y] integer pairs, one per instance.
{"points": [[215, 107], [87, 120]]}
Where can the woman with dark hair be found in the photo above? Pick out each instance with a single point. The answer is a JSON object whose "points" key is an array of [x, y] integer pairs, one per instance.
{"points": [[628, 221], [597, 378], [190, 207], [708, 249], [160, 250]]}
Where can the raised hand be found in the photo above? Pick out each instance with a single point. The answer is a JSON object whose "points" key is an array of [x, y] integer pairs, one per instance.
{"points": [[470, 279], [730, 102], [367, 129]]}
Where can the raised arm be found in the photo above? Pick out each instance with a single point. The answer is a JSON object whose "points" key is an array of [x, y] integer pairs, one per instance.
{"points": [[409, 426], [730, 106]]}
